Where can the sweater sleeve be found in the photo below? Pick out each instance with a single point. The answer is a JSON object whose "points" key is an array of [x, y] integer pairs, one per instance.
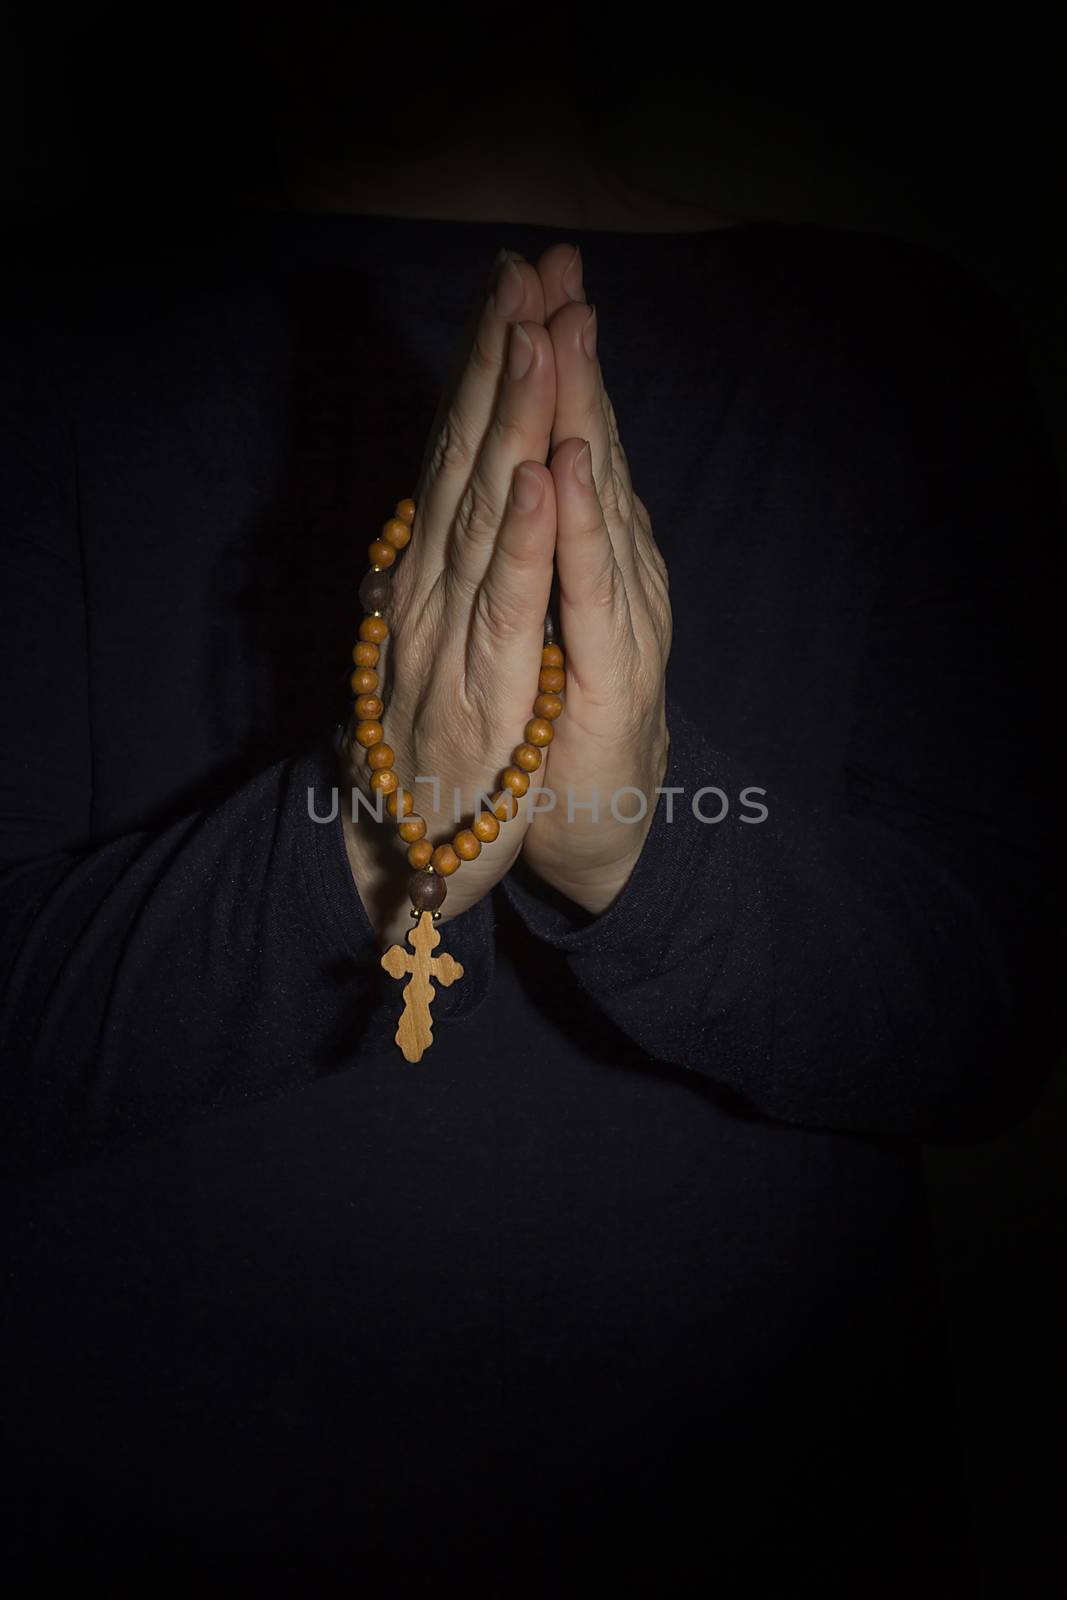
{"points": [[152, 979], [884, 964]]}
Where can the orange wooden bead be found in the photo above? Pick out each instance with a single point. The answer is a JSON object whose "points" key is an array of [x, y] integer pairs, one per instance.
{"points": [[380, 554], [368, 733], [400, 798], [548, 706], [384, 781], [363, 681], [539, 731], [420, 853], [396, 532], [552, 656], [526, 756], [412, 828], [485, 827], [365, 655], [467, 845], [552, 680], [504, 805], [381, 756], [368, 707], [445, 860], [405, 510], [515, 779], [374, 630]]}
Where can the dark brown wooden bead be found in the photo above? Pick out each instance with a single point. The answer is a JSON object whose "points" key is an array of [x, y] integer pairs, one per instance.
{"points": [[368, 733], [381, 756], [526, 756], [549, 629], [420, 853], [375, 591], [515, 779], [552, 680], [412, 828], [374, 629], [539, 731], [405, 510], [445, 860], [396, 532], [384, 781], [549, 706], [552, 656], [365, 655], [467, 845], [368, 707], [504, 805], [427, 890], [380, 554], [485, 827], [364, 680], [400, 800]]}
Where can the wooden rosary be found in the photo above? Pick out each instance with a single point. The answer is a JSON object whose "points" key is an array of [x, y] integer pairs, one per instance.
{"points": [[433, 865]]}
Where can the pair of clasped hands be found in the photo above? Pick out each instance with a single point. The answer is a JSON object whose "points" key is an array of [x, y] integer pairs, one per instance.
{"points": [[469, 601]]}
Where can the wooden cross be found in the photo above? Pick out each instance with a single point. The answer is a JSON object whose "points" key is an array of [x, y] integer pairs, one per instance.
{"points": [[414, 1033]]}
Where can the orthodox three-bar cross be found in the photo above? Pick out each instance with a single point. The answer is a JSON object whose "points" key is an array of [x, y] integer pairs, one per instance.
{"points": [[414, 1032]]}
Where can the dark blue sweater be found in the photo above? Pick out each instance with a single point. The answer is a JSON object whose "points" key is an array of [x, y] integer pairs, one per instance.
{"points": [[626, 1282]]}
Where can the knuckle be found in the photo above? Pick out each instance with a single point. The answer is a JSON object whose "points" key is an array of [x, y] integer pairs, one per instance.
{"points": [[476, 515], [500, 618], [451, 451]]}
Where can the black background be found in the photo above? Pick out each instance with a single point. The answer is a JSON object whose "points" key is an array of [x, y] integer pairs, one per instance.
{"points": [[950, 132]]}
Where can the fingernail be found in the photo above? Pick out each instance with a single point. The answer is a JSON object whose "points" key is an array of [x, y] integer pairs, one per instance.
{"points": [[589, 334], [527, 489], [507, 293], [583, 466], [572, 276], [520, 352]]}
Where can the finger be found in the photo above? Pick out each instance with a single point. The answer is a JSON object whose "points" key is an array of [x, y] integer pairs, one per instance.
{"points": [[584, 411], [514, 293], [593, 599], [507, 622], [519, 431], [560, 269]]}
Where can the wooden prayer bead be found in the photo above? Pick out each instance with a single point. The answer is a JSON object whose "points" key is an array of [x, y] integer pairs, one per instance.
{"points": [[400, 798], [420, 853], [368, 707], [384, 781], [374, 629], [504, 805], [526, 756], [375, 591], [427, 890], [549, 630], [485, 827], [548, 706], [539, 731], [412, 828], [365, 655], [363, 681], [380, 554], [381, 756], [515, 780], [552, 680], [551, 656], [444, 860], [396, 532], [467, 845], [405, 510], [368, 733]]}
